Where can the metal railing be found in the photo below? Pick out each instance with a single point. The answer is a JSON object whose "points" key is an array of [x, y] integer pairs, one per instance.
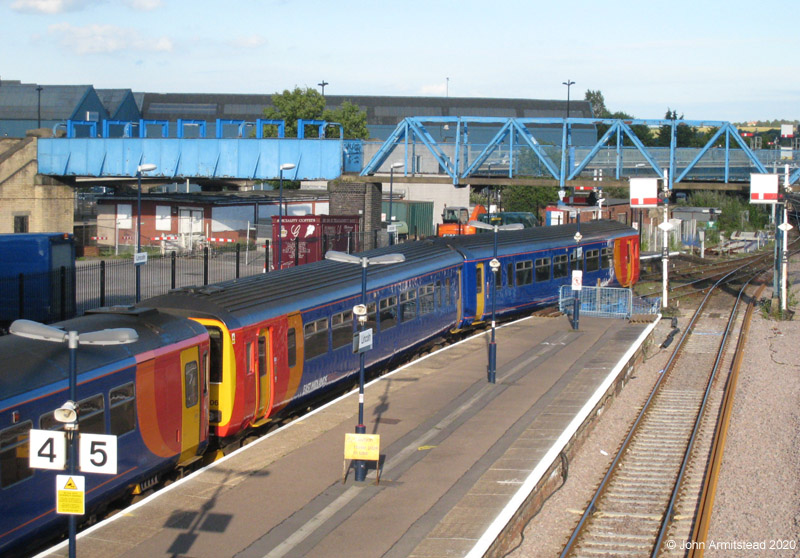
{"points": [[606, 302]]}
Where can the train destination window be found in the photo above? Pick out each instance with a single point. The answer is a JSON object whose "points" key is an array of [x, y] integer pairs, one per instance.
{"points": [[316, 338], [92, 415], [524, 272], [215, 373], [408, 305], [122, 403], [592, 260], [560, 268], [606, 256], [14, 454], [192, 383], [388, 307], [427, 302], [291, 345], [342, 329], [542, 269], [575, 261]]}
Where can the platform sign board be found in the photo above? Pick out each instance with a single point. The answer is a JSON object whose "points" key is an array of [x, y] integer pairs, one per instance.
{"points": [[362, 447], [70, 494], [644, 192], [577, 280], [98, 453], [764, 188], [362, 341], [47, 449]]}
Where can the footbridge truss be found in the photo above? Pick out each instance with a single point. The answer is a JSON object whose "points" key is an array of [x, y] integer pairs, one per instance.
{"points": [[488, 147]]}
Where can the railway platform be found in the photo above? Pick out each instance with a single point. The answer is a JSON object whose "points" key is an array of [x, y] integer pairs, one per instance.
{"points": [[463, 462]]}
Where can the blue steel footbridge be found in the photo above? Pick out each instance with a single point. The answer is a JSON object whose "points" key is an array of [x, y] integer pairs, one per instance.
{"points": [[447, 150]]}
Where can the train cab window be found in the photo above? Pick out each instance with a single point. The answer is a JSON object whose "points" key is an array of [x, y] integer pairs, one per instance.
{"points": [[606, 257], [92, 415], [560, 267], [408, 305], [14, 454], [510, 274], [478, 279], [315, 335], [576, 260], [388, 308], [192, 383], [542, 269], [122, 404], [342, 329], [291, 346], [427, 302], [215, 372], [524, 273], [592, 260]]}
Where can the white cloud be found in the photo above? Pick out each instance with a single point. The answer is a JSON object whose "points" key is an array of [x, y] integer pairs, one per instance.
{"points": [[144, 5], [251, 41], [104, 39], [52, 6]]}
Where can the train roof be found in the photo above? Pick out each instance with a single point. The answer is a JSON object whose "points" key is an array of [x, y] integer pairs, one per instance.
{"points": [[30, 364], [256, 298]]}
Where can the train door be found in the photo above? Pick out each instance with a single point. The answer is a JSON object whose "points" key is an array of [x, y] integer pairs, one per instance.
{"points": [[264, 366], [459, 305], [480, 292], [191, 419]]}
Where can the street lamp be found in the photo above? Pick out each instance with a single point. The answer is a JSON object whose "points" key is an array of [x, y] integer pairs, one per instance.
{"points": [[322, 84], [495, 265], [568, 83], [285, 166], [396, 165], [137, 261], [68, 412], [361, 311], [39, 106]]}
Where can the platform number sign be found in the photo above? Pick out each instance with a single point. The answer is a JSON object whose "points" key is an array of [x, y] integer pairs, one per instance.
{"points": [[48, 450], [97, 453]]}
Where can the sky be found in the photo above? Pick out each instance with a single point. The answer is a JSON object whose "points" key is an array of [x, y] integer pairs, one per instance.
{"points": [[706, 59]]}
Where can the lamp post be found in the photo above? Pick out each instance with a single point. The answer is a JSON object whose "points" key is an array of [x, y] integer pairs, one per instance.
{"points": [[577, 275], [137, 260], [285, 166], [385, 259], [568, 83], [396, 165], [495, 265], [322, 84], [39, 106], [68, 413]]}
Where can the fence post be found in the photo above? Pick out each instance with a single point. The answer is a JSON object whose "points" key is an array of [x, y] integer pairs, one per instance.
{"points": [[266, 255], [297, 251], [173, 264], [238, 256], [63, 277], [205, 265], [21, 295], [102, 282]]}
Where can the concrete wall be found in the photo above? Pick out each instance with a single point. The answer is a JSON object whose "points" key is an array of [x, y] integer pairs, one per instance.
{"points": [[46, 202]]}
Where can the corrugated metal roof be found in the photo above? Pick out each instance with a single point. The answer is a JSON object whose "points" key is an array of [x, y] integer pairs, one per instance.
{"points": [[58, 102]]}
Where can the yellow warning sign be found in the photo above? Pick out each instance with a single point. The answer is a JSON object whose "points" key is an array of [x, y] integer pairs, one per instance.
{"points": [[362, 446], [70, 494]]}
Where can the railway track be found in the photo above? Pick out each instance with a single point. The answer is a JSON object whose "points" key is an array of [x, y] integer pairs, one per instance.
{"points": [[646, 503]]}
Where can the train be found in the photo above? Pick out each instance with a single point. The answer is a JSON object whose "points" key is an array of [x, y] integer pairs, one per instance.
{"points": [[213, 364]]}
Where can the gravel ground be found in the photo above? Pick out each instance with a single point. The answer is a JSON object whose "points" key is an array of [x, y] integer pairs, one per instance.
{"points": [[758, 497]]}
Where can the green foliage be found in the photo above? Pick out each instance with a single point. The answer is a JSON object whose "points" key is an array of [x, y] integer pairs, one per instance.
{"points": [[528, 198], [309, 104], [598, 103], [736, 214]]}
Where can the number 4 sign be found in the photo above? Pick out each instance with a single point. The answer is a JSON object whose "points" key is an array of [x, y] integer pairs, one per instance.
{"points": [[98, 453], [48, 450]]}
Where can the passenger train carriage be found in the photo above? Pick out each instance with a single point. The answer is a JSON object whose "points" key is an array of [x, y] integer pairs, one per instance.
{"points": [[214, 362]]}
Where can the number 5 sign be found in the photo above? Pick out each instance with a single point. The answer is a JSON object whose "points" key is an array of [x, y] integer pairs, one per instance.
{"points": [[98, 453]]}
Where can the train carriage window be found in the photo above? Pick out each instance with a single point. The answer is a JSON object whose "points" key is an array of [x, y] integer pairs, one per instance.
{"points": [[592, 260], [524, 273], [291, 345], [447, 292], [479, 279], [542, 269], [606, 257], [576, 261], [122, 404], [342, 329], [388, 308], [92, 415], [215, 373], [439, 294], [426, 299], [192, 382], [14, 454], [372, 317], [315, 336], [408, 305], [560, 267], [510, 274]]}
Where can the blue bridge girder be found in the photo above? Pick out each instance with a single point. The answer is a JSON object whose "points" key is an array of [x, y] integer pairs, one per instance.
{"points": [[519, 143]]}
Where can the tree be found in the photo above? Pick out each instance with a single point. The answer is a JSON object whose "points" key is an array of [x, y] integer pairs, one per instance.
{"points": [[352, 119], [598, 103], [528, 198], [309, 104]]}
